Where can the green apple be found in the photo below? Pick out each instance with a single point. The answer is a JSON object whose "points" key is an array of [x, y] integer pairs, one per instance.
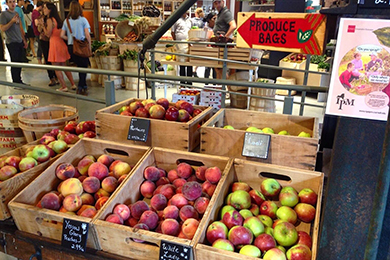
{"points": [[285, 234], [287, 214], [283, 132], [228, 127], [254, 129], [255, 225], [274, 254], [268, 130], [123, 109], [225, 209], [281, 248], [223, 244], [240, 199], [304, 134], [267, 221], [246, 213], [250, 250], [269, 231], [227, 199], [270, 187], [288, 196]]}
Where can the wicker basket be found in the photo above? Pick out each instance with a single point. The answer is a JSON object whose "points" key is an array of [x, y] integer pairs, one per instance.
{"points": [[35, 122], [94, 65], [238, 101], [111, 63]]}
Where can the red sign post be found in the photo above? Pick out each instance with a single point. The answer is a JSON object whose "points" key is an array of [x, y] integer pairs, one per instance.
{"points": [[292, 32]]}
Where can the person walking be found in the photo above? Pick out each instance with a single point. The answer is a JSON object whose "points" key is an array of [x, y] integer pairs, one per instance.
{"points": [[2, 53], [210, 22], [20, 12], [36, 13], [77, 26], [10, 23], [179, 32], [27, 10], [58, 51], [198, 21]]}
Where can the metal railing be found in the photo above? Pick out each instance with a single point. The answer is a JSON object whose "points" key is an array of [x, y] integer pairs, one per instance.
{"points": [[152, 77]]}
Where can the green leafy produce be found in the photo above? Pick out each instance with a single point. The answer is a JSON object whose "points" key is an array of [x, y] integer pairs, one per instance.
{"points": [[170, 67], [324, 65], [129, 55], [96, 45], [195, 27], [124, 17], [317, 59]]}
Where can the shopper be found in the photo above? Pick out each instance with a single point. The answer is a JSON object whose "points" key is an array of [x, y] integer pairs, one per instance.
{"points": [[198, 20], [27, 10], [179, 32], [2, 53], [10, 23], [19, 10], [36, 13], [58, 51], [210, 22], [80, 30], [45, 45]]}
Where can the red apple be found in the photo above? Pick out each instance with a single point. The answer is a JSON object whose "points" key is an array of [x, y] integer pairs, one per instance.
{"points": [[215, 231], [196, 112], [142, 112], [288, 197], [240, 186], [270, 187], [187, 106], [304, 239], [223, 244], [163, 102], [13, 160], [184, 116], [299, 252], [172, 114], [71, 127], [157, 112], [305, 212], [134, 106], [232, 218], [256, 197], [46, 139], [308, 196], [264, 242], [274, 254], [269, 209], [71, 139], [126, 113], [240, 236]]}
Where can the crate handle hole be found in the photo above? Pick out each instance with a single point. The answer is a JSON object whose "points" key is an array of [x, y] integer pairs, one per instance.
{"points": [[190, 162], [275, 176], [116, 151], [130, 241]]}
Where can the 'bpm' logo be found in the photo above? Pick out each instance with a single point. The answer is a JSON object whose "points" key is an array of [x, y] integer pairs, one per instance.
{"points": [[341, 101]]}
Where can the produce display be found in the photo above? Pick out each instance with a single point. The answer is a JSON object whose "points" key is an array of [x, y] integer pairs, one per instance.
{"points": [[74, 131], [189, 92], [49, 146], [161, 109], [173, 203], [268, 130], [85, 187], [296, 57], [261, 223]]}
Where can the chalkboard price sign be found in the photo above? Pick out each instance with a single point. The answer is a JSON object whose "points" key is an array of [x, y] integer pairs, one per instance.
{"points": [[74, 234], [139, 129], [256, 145], [173, 251]]}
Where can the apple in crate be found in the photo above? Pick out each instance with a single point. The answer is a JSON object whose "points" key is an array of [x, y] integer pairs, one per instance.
{"points": [[7, 172], [270, 187], [142, 112], [305, 212], [13, 160], [196, 112], [240, 236], [264, 242], [126, 113], [250, 250], [223, 244], [163, 102], [304, 239], [269, 208], [41, 153], [308, 196], [134, 106], [256, 197], [274, 254], [299, 252], [46, 139], [288, 196], [285, 234], [172, 114], [184, 116], [71, 127], [27, 163], [58, 146], [71, 139]]}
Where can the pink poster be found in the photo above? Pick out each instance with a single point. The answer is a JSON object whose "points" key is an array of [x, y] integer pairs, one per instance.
{"points": [[360, 82]]}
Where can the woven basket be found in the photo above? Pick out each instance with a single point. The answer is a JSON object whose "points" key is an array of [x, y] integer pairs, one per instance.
{"points": [[111, 63], [35, 122]]}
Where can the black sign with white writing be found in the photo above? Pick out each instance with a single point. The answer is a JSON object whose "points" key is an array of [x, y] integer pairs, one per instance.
{"points": [[74, 234], [256, 145], [173, 251], [139, 129], [375, 3]]}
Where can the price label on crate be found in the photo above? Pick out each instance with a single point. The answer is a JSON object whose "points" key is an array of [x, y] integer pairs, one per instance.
{"points": [[74, 235], [256, 145], [170, 250], [139, 129]]}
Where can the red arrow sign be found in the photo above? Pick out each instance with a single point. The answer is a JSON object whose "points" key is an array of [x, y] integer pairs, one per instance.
{"points": [[277, 31]]}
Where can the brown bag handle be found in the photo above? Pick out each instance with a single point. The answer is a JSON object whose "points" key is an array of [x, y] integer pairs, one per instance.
{"points": [[70, 29]]}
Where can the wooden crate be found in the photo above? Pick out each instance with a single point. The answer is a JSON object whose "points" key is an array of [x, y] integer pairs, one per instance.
{"points": [[252, 173], [236, 54], [203, 50], [162, 133], [11, 187], [48, 223], [118, 239], [287, 150]]}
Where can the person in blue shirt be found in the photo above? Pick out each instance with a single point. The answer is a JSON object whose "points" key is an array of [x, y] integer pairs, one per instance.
{"points": [[80, 30]]}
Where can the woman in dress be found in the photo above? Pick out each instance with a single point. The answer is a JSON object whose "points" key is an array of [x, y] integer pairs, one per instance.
{"points": [[80, 30], [58, 51]]}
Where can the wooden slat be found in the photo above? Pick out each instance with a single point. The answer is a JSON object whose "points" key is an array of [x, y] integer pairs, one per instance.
{"points": [[117, 239], [250, 172], [292, 151], [34, 220]]}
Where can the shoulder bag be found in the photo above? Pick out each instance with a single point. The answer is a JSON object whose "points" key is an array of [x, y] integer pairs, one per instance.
{"points": [[80, 48]]}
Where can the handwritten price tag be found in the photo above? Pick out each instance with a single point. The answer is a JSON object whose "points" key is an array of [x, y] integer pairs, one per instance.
{"points": [[173, 251], [256, 145], [74, 234], [139, 129]]}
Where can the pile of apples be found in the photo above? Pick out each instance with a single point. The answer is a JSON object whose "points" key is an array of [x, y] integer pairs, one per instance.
{"points": [[72, 132], [35, 154], [189, 92], [253, 224], [178, 200], [297, 57], [85, 188], [161, 109], [268, 130]]}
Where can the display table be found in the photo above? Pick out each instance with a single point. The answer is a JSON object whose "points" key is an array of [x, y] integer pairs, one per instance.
{"points": [[23, 245]]}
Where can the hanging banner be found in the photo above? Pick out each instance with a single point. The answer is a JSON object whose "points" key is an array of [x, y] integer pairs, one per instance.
{"points": [[290, 32], [360, 82]]}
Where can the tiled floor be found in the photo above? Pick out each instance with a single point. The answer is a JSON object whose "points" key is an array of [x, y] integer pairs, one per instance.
{"points": [[38, 78]]}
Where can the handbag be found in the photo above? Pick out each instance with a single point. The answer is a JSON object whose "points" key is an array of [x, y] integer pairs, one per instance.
{"points": [[80, 48]]}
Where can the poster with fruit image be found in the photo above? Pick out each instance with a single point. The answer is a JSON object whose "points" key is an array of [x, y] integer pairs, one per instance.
{"points": [[360, 82]]}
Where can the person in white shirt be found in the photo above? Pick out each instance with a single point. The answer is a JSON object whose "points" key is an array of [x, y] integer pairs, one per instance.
{"points": [[179, 32]]}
